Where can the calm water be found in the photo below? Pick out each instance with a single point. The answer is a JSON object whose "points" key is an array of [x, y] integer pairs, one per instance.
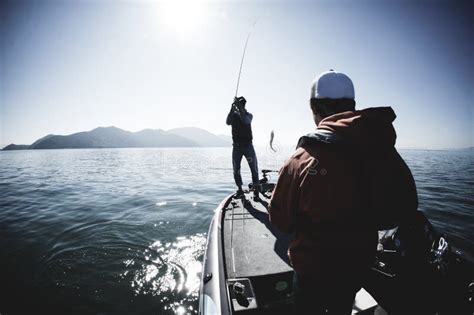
{"points": [[124, 230]]}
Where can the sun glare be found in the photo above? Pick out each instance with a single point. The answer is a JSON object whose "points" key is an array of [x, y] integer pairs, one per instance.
{"points": [[183, 16]]}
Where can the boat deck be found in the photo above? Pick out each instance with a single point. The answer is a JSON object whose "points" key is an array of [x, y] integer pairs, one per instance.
{"points": [[253, 247]]}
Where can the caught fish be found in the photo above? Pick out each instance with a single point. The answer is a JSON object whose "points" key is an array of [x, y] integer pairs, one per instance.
{"points": [[272, 136]]}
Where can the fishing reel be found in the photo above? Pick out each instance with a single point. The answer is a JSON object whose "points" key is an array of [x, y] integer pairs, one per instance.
{"points": [[235, 109], [238, 104]]}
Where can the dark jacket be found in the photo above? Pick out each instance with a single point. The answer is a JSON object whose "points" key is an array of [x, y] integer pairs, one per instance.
{"points": [[336, 191], [241, 126]]}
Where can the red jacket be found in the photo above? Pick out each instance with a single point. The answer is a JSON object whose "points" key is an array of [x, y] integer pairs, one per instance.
{"points": [[336, 191]]}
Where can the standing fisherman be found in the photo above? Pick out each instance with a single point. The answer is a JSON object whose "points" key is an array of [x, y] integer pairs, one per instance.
{"points": [[344, 182], [240, 120]]}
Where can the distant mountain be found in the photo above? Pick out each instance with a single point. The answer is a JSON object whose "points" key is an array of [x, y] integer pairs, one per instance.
{"points": [[113, 137], [16, 147], [40, 140], [202, 137], [226, 138]]}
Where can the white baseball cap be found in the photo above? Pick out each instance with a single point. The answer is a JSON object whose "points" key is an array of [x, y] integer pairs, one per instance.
{"points": [[334, 85]]}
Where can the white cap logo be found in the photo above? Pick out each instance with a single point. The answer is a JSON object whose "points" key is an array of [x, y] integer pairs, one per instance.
{"points": [[334, 85]]}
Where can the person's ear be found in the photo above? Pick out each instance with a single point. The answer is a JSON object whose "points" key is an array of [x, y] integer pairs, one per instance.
{"points": [[312, 105]]}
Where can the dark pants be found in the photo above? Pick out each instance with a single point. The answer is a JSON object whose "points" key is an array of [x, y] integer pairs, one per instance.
{"points": [[247, 150], [318, 296]]}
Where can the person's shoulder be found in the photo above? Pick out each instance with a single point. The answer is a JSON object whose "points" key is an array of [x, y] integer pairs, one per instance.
{"points": [[299, 153], [299, 160]]}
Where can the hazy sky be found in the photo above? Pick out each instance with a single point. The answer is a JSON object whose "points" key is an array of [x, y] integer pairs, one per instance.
{"points": [[69, 66]]}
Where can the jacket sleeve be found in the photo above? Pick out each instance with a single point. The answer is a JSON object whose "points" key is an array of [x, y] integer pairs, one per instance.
{"points": [[407, 191], [394, 195], [230, 117], [284, 202], [246, 118]]}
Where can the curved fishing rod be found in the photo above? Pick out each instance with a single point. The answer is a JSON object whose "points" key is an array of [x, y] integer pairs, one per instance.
{"points": [[243, 57]]}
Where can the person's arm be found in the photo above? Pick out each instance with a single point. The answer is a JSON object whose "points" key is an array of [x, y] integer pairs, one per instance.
{"points": [[393, 191], [284, 200], [230, 117], [246, 117], [407, 195]]}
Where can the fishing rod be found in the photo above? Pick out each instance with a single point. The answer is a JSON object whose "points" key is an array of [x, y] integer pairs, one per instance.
{"points": [[243, 57], [272, 134]]}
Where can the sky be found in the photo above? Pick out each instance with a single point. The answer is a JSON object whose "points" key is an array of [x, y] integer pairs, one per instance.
{"points": [[70, 66]]}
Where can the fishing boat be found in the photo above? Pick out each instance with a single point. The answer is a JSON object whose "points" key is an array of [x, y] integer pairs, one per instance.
{"points": [[246, 268]]}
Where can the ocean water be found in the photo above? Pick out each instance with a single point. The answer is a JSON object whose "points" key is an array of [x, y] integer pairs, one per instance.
{"points": [[123, 231]]}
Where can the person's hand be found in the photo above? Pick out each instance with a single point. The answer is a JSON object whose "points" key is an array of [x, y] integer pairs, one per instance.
{"points": [[234, 103], [241, 109], [239, 105], [235, 108]]}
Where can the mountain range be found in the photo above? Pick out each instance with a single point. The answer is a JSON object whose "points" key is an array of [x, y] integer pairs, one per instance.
{"points": [[113, 137]]}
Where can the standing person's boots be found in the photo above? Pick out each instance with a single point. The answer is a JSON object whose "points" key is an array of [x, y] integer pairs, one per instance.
{"points": [[239, 193], [256, 197]]}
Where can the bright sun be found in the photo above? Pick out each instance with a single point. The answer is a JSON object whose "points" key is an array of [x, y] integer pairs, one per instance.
{"points": [[183, 15]]}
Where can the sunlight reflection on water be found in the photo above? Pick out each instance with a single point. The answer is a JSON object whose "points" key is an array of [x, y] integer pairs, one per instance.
{"points": [[172, 268]]}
